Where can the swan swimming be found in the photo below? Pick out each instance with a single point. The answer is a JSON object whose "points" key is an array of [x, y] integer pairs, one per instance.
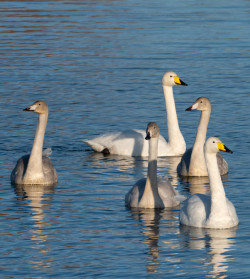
{"points": [[193, 161], [132, 142], [152, 192], [35, 168], [214, 211]]}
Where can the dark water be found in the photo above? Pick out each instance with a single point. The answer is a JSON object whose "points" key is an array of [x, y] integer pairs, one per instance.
{"points": [[98, 65]]}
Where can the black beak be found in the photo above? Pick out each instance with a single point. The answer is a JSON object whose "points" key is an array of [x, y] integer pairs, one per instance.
{"points": [[148, 137], [189, 109], [183, 83], [228, 150], [27, 109]]}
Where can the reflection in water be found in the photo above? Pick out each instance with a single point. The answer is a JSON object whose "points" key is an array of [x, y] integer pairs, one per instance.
{"points": [[151, 218], [196, 185], [216, 242], [166, 166], [173, 162], [36, 194], [120, 162]]}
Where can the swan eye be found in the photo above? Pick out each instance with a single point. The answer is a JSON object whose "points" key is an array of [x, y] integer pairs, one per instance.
{"points": [[171, 76], [213, 141]]}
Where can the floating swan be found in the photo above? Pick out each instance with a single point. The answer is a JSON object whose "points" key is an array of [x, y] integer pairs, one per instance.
{"points": [[214, 211], [152, 192], [35, 168], [193, 161], [132, 142]]}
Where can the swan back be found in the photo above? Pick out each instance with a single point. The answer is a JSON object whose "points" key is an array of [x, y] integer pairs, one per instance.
{"points": [[49, 178]]}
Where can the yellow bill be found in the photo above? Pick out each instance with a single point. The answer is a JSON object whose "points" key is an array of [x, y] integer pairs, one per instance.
{"points": [[222, 147]]}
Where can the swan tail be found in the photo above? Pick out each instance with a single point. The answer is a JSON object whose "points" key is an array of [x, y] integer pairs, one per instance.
{"points": [[47, 152], [95, 146]]}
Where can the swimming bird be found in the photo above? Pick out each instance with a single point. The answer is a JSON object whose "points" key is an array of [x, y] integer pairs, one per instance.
{"points": [[35, 168], [152, 192], [193, 161], [132, 142], [215, 210]]}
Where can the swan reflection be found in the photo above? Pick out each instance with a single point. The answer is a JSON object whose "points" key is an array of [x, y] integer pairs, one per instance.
{"points": [[172, 163], [216, 242], [137, 166], [150, 219], [36, 195], [197, 185]]}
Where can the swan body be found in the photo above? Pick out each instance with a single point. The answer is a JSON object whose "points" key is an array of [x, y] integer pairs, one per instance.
{"points": [[193, 161], [35, 168], [132, 142], [152, 192], [215, 210]]}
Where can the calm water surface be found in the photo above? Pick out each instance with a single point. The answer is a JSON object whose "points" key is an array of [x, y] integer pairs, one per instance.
{"points": [[99, 64]]}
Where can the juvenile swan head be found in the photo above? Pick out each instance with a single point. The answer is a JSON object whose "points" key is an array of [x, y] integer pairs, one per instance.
{"points": [[152, 131], [39, 107], [201, 104]]}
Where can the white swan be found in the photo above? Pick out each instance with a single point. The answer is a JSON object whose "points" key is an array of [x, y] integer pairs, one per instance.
{"points": [[214, 211], [132, 142], [35, 168], [193, 161], [152, 192]]}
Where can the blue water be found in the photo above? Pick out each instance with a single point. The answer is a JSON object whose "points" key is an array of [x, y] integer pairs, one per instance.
{"points": [[98, 65]]}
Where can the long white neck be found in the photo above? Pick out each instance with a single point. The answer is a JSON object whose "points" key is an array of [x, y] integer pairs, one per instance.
{"points": [[197, 152], [218, 197], [34, 167], [151, 195], [175, 137]]}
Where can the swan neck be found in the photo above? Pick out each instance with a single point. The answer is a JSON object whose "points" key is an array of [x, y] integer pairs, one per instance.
{"points": [[175, 136], [172, 120], [202, 129], [218, 197], [35, 160], [151, 183]]}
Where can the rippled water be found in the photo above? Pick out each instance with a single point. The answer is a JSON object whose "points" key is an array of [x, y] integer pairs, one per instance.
{"points": [[99, 64]]}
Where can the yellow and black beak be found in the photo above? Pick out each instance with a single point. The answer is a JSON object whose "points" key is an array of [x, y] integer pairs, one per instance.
{"points": [[177, 80], [222, 147]]}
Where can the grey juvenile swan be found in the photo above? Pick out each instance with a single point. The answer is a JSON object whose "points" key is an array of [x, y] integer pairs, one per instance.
{"points": [[152, 192], [36, 168], [193, 161]]}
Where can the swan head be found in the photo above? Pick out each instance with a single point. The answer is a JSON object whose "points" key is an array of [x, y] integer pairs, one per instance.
{"points": [[39, 107], [201, 103], [214, 145], [152, 131], [171, 79]]}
